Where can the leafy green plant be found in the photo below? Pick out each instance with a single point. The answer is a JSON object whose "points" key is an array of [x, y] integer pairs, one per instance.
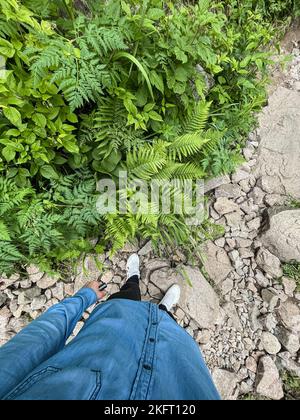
{"points": [[291, 385], [162, 90]]}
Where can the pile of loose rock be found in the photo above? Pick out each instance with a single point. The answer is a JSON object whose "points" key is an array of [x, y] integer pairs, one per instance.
{"points": [[244, 313]]}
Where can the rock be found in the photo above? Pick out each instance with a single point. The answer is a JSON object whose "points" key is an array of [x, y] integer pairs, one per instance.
{"points": [[226, 286], [146, 249], [269, 263], [254, 224], [287, 363], [214, 183], [58, 291], [32, 293], [226, 383], [234, 220], [228, 191], [239, 175], [6, 282], [270, 184], [289, 286], [220, 242], [272, 200], [223, 206], [203, 336], [25, 284], [131, 247], [233, 316], [271, 298], [279, 153], [38, 303], [289, 314], [199, 301], [270, 343], [112, 288], [47, 281], [87, 270], [289, 340], [216, 262], [283, 236], [69, 289], [269, 384], [152, 265], [34, 273], [257, 195], [243, 243], [251, 364], [107, 276], [3, 299]]}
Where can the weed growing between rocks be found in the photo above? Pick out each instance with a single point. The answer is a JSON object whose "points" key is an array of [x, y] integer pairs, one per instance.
{"points": [[292, 270]]}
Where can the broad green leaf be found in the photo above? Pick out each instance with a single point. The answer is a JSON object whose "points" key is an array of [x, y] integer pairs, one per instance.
{"points": [[13, 115], [48, 172], [6, 48], [9, 153], [40, 120], [155, 116], [71, 146]]}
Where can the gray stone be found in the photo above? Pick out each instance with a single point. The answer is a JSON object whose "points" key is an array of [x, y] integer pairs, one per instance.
{"points": [[203, 336], [287, 363], [289, 314], [283, 236], [240, 175], [34, 273], [47, 281], [198, 299], [233, 316], [279, 153], [214, 183], [226, 383], [271, 184], [6, 282], [251, 364], [58, 291], [223, 206], [270, 343], [32, 293], [269, 263], [243, 243], [257, 195], [146, 249], [234, 220], [269, 384], [87, 270], [216, 262], [289, 286], [254, 224], [228, 191], [38, 303], [289, 340]]}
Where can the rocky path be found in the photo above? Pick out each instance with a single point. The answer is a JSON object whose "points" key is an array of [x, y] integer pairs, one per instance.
{"points": [[244, 313]]}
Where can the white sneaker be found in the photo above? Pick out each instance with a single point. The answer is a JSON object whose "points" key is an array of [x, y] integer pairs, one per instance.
{"points": [[133, 266], [172, 297]]}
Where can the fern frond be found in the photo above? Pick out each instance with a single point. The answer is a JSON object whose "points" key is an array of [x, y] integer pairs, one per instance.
{"points": [[197, 122], [186, 145]]}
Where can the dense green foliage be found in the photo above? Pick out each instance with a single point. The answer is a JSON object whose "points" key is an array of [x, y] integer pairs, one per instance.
{"points": [[162, 89], [292, 270]]}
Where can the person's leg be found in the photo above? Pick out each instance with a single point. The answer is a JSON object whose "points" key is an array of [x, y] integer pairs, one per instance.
{"points": [[131, 289], [164, 308]]}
